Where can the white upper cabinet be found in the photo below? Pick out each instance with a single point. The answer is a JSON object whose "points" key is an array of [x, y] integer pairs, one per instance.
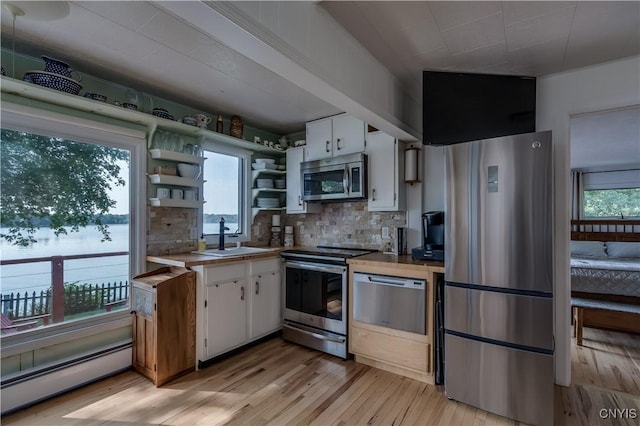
{"points": [[386, 170], [319, 139], [334, 136], [295, 205]]}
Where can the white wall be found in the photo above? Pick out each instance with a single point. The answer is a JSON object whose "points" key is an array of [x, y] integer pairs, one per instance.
{"points": [[433, 197], [600, 87]]}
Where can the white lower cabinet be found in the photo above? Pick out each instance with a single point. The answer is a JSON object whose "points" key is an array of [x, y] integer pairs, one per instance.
{"points": [[226, 314], [265, 298], [237, 303]]}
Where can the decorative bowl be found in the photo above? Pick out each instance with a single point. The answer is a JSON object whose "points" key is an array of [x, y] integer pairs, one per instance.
{"points": [[162, 113], [191, 121], [95, 96], [56, 66], [130, 106], [189, 171], [53, 81]]}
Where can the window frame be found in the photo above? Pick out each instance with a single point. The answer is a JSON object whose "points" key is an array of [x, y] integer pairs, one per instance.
{"points": [[244, 193], [48, 123]]}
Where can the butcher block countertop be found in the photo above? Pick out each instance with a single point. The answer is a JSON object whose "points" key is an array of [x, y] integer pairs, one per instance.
{"points": [[401, 263], [187, 260]]}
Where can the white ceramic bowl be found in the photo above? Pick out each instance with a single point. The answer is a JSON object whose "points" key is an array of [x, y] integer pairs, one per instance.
{"points": [[265, 160], [189, 171]]}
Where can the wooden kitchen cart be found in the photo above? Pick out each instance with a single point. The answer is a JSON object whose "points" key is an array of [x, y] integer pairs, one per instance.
{"points": [[163, 302], [400, 352]]}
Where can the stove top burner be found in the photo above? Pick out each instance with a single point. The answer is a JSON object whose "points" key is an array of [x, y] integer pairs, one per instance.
{"points": [[324, 252]]}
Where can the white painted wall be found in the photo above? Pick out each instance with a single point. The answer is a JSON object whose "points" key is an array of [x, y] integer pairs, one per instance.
{"points": [[433, 197], [600, 87]]}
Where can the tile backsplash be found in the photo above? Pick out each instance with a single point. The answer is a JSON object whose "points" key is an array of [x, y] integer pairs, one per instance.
{"points": [[347, 224], [168, 230]]}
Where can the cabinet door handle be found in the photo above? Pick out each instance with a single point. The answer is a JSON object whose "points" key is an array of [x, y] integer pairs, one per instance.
{"points": [[242, 293], [327, 146], [374, 194], [338, 144], [299, 200], [257, 287]]}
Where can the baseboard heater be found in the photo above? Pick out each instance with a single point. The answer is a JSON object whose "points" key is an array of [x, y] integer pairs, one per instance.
{"points": [[21, 390]]}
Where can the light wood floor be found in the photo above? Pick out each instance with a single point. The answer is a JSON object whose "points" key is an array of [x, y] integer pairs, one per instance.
{"points": [[281, 383]]}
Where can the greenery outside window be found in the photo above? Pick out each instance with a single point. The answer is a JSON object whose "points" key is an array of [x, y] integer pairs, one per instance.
{"points": [[72, 226], [226, 193], [612, 203]]}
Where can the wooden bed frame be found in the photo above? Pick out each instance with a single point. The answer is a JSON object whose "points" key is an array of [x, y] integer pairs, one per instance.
{"points": [[607, 230]]}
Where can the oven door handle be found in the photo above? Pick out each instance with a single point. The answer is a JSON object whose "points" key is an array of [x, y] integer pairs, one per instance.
{"points": [[317, 335], [316, 267]]}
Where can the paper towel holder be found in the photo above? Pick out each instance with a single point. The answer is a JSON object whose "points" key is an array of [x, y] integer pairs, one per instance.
{"points": [[411, 165]]}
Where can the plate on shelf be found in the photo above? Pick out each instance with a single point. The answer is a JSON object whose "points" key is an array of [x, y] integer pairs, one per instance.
{"points": [[263, 166], [265, 160], [264, 183], [268, 202]]}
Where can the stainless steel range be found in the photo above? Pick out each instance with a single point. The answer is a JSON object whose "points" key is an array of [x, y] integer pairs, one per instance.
{"points": [[315, 297]]}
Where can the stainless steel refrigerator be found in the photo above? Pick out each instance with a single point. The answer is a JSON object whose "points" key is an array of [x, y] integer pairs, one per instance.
{"points": [[498, 276]]}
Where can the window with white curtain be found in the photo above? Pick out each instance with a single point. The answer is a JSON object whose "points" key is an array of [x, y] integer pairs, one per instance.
{"points": [[611, 194]]}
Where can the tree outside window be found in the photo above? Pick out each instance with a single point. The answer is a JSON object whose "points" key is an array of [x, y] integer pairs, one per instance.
{"points": [[620, 203]]}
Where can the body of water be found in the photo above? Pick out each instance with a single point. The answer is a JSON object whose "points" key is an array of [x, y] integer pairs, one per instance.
{"points": [[37, 276], [213, 228]]}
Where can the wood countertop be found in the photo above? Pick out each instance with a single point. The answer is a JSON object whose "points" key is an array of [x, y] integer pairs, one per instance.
{"points": [[187, 260], [404, 262]]}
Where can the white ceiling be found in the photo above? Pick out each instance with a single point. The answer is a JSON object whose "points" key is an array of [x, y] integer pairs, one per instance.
{"points": [[139, 44], [532, 38]]}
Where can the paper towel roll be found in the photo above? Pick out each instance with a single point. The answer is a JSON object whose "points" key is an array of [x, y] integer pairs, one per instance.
{"points": [[411, 165], [275, 220]]}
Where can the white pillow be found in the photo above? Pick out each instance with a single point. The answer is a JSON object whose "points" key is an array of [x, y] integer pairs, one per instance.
{"points": [[619, 249], [588, 249]]}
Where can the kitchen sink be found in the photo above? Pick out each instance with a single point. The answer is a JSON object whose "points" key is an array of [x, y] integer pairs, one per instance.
{"points": [[234, 251]]}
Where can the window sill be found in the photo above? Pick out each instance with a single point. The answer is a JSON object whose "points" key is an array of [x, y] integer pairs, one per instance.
{"points": [[55, 334]]}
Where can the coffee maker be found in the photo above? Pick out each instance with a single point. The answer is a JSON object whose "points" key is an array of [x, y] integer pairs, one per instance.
{"points": [[432, 237]]}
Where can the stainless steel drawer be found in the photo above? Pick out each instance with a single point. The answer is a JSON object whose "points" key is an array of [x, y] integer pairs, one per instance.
{"points": [[392, 302], [512, 318], [510, 382]]}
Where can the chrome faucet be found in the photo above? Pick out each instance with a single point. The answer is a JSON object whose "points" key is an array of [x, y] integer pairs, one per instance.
{"points": [[221, 234]]}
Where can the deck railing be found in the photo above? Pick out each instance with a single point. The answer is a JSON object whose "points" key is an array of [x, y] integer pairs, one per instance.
{"points": [[77, 298]]}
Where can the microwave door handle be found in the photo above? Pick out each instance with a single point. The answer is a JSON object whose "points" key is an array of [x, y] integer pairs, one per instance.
{"points": [[345, 179]]}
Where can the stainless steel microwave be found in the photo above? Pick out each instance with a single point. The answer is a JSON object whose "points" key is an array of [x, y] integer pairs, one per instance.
{"points": [[337, 178]]}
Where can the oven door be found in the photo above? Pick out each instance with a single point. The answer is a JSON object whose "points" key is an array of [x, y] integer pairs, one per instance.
{"points": [[315, 294], [334, 182]]}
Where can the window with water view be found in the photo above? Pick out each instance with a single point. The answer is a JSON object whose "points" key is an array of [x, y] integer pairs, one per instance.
{"points": [[65, 230], [223, 193]]}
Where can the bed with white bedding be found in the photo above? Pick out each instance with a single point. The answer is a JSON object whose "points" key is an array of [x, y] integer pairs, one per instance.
{"points": [[605, 266], [606, 276]]}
